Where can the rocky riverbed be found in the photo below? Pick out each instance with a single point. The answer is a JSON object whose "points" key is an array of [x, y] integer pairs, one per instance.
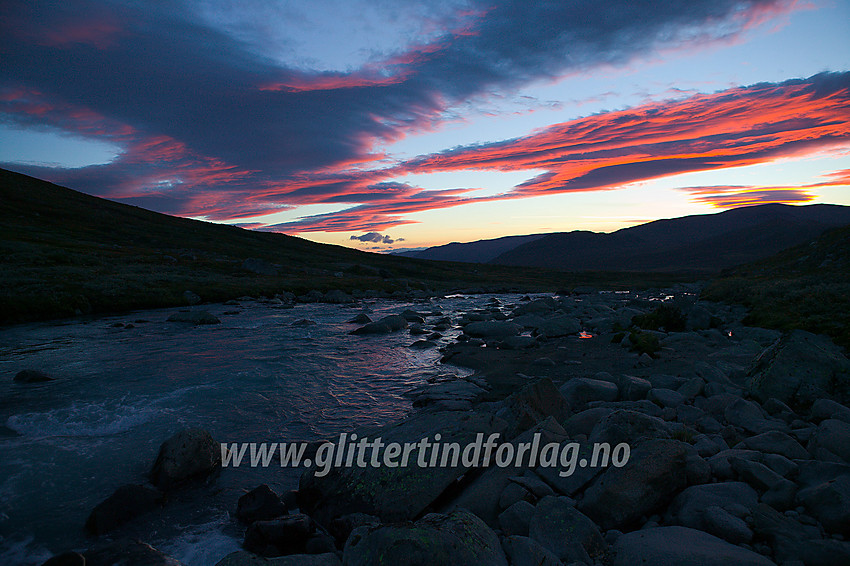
{"points": [[738, 441]]}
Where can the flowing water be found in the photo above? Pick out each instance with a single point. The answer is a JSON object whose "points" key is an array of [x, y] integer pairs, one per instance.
{"points": [[69, 443]]}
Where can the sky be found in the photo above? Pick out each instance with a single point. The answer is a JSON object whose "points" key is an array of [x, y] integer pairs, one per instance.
{"points": [[387, 125]]}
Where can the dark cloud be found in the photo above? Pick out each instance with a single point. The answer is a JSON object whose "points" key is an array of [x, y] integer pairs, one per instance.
{"points": [[376, 238], [211, 127]]}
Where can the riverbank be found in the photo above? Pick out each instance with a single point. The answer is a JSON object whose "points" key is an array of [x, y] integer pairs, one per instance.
{"points": [[737, 444]]}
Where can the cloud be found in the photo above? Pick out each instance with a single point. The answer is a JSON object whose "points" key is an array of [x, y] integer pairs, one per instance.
{"points": [[210, 127], [376, 237]]}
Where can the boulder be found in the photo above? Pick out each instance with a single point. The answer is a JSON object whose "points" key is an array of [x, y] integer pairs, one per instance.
{"points": [[534, 403], [127, 551], [691, 509], [559, 326], [190, 454], [32, 376], [579, 391], [439, 540], [402, 492], [829, 503], [281, 536], [492, 329], [800, 368], [824, 409], [259, 504], [831, 438], [515, 519], [386, 325], [523, 551], [194, 317], [775, 442], [242, 558], [681, 546], [655, 472], [560, 528], [66, 559], [127, 503]]}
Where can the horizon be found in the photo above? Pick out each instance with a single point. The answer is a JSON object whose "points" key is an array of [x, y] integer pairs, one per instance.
{"points": [[412, 126]]}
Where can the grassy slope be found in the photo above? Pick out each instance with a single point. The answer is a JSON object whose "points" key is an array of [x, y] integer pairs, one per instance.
{"points": [[806, 287], [64, 252]]}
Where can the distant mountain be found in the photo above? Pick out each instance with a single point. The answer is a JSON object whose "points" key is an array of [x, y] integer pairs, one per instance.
{"points": [[702, 243], [481, 251]]}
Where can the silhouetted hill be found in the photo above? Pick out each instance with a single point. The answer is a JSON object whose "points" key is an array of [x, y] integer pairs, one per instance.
{"points": [[481, 251], [807, 286], [63, 252], [702, 243]]}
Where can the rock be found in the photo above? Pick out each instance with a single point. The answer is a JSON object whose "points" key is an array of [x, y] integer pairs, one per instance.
{"points": [[665, 397], [191, 298], [746, 415], [439, 540], [127, 503], [492, 329], [559, 326], [832, 436], [259, 504], [723, 524], [281, 536], [681, 546], [303, 322], [242, 558], [583, 422], [829, 503], [32, 376], [337, 297], [391, 323], [361, 318], [579, 391], [66, 559], [689, 508], [654, 473], [523, 551], [129, 552], [823, 409], [190, 454], [402, 492], [518, 343], [423, 345], [534, 403], [692, 388], [559, 527], [775, 442], [515, 519], [630, 427], [633, 388], [194, 317], [537, 306], [341, 527], [793, 540], [800, 368]]}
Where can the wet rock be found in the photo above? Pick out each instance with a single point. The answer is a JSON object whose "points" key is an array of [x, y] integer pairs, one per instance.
{"points": [[194, 317], [259, 504], [188, 455], [518, 343], [32, 376], [395, 493], [523, 551], [683, 547], [423, 345], [127, 552], [242, 558], [559, 527], [361, 318], [457, 391], [439, 540], [800, 368], [303, 323], [492, 329], [127, 503], [654, 473], [281, 536], [337, 297], [386, 325]]}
